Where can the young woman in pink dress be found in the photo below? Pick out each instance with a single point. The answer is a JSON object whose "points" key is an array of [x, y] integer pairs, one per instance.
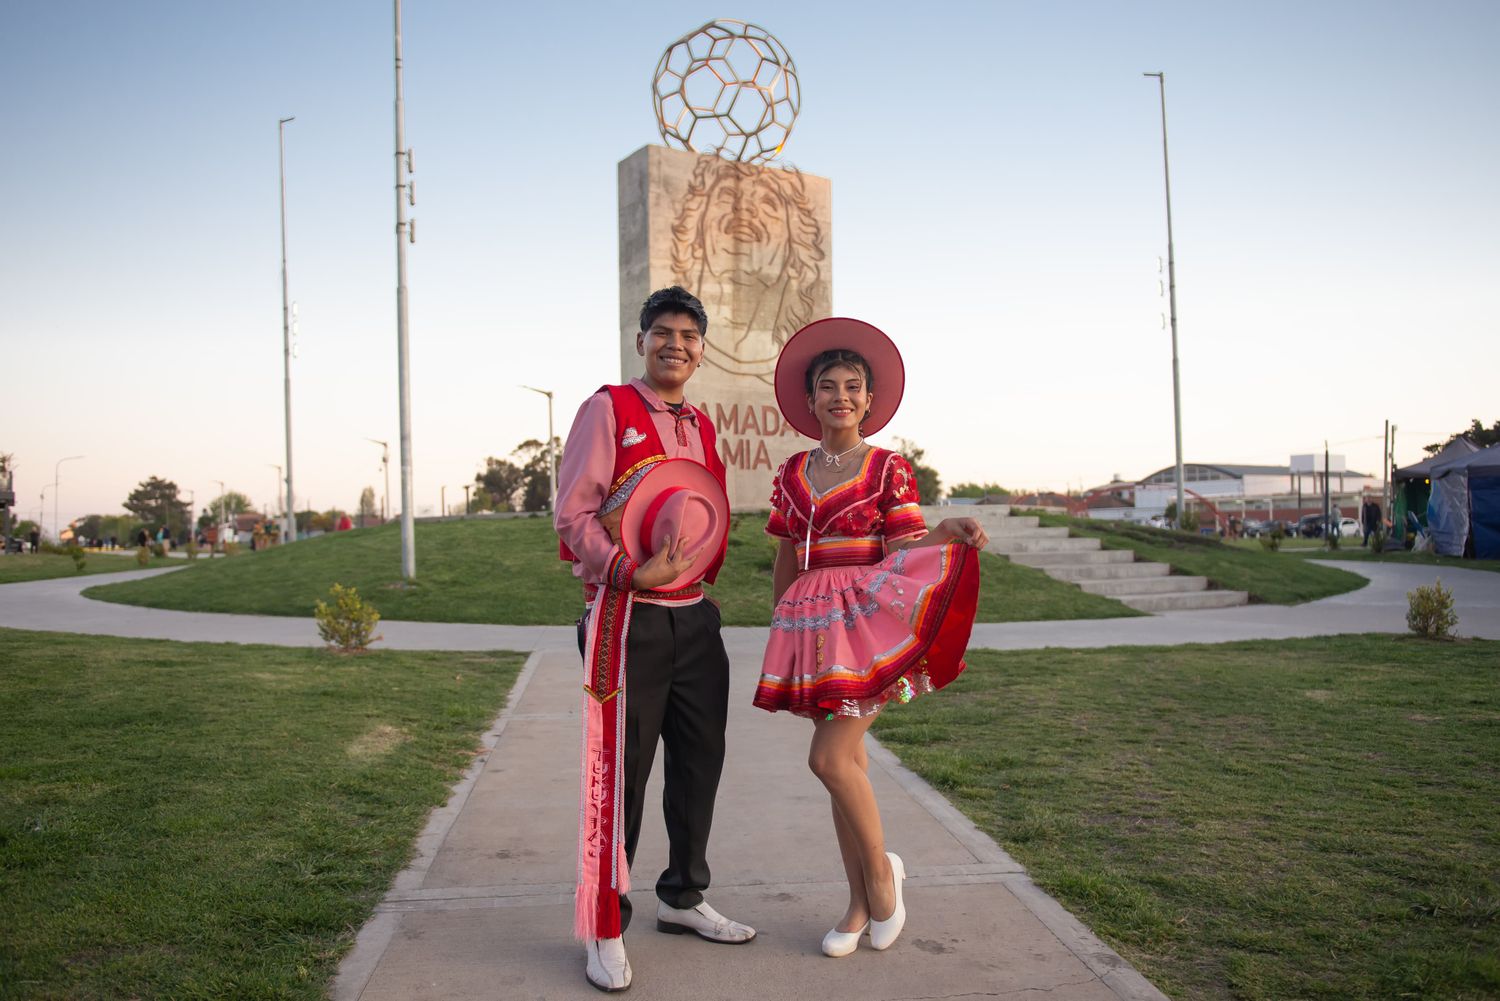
{"points": [[871, 606]]}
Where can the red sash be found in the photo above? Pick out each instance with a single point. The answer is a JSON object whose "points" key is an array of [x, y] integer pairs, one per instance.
{"points": [[603, 870]]}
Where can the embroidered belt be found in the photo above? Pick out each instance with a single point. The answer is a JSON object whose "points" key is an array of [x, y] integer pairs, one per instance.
{"points": [[690, 595]]}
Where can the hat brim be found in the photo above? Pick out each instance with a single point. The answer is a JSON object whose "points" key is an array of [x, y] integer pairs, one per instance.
{"points": [[887, 370], [666, 475]]}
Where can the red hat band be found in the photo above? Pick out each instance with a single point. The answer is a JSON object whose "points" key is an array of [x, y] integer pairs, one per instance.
{"points": [[675, 513]]}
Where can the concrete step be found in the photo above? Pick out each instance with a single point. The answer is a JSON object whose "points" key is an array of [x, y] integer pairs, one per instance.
{"points": [[1132, 586], [1008, 545], [1185, 601], [985, 514], [1108, 571], [1077, 557]]}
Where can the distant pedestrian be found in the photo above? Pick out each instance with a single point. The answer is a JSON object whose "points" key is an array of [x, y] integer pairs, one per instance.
{"points": [[344, 524], [1369, 517], [35, 538], [142, 538]]}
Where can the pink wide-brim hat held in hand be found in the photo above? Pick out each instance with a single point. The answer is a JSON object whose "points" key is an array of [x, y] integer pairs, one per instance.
{"points": [[677, 498], [887, 370]]}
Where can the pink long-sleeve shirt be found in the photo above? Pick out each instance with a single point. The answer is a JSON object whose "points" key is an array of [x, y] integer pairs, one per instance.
{"points": [[588, 469]]}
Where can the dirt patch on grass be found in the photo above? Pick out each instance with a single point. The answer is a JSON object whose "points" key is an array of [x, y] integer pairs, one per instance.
{"points": [[376, 743]]}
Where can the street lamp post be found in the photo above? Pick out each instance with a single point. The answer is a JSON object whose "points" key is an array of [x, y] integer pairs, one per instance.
{"points": [[466, 500], [219, 535], [551, 450], [289, 522], [385, 464], [41, 514], [443, 502], [1161, 80], [279, 481], [404, 194], [56, 524]]}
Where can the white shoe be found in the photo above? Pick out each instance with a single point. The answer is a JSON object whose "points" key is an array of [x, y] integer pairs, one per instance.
{"points": [[608, 968], [883, 934], [703, 921], [841, 943]]}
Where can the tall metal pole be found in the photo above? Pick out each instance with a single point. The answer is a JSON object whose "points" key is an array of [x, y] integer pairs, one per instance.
{"points": [[385, 466], [1161, 81], [403, 195], [57, 525], [289, 519], [219, 535], [551, 449]]}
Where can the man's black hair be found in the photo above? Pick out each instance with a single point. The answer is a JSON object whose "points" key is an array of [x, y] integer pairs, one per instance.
{"points": [[673, 300]]}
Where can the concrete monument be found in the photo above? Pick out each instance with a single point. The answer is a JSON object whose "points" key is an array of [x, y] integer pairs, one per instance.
{"points": [[752, 241]]}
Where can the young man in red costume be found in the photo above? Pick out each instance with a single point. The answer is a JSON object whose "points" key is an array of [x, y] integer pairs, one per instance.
{"points": [[676, 670]]}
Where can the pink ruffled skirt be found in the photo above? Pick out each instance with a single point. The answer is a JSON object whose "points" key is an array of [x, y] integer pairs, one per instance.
{"points": [[847, 640]]}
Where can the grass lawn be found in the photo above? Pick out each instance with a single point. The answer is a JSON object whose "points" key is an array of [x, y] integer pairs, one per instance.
{"points": [[1293, 819], [193, 820], [25, 566], [507, 571], [1267, 576]]}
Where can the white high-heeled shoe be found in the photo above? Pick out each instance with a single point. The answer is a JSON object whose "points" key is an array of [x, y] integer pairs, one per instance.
{"points": [[841, 943], [883, 934]]}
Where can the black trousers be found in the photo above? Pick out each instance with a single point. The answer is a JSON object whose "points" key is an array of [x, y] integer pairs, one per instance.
{"points": [[676, 691]]}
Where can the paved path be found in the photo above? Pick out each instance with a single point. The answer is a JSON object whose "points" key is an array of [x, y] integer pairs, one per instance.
{"points": [[484, 911], [58, 606]]}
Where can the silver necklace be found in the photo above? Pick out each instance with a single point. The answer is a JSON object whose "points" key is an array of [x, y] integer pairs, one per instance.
{"points": [[837, 461]]}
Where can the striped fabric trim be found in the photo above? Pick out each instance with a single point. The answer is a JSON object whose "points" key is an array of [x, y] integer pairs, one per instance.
{"points": [[690, 595], [626, 484], [840, 551], [904, 520]]}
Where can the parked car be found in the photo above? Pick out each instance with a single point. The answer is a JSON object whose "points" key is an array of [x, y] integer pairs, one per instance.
{"points": [[1349, 528], [1252, 527], [1310, 526]]}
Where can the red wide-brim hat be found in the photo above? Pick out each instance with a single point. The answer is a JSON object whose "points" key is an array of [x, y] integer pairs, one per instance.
{"points": [[676, 498], [887, 371]]}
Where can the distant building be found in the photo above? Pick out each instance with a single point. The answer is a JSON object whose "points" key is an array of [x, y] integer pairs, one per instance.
{"points": [[1260, 492]]}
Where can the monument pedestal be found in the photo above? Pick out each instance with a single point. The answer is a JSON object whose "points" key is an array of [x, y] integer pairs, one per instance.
{"points": [[752, 242]]}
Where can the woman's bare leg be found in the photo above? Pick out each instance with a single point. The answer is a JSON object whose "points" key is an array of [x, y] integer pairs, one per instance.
{"points": [[837, 758]]}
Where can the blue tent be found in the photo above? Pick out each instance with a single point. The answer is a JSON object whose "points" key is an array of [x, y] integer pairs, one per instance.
{"points": [[1465, 502]]}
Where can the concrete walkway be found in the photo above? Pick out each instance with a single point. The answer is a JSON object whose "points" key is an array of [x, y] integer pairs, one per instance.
{"points": [[58, 605], [485, 909]]}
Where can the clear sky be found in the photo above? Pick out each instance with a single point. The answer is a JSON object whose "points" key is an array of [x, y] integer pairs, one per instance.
{"points": [[997, 208]]}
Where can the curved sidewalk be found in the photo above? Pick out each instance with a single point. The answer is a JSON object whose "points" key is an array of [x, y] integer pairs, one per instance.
{"points": [[57, 605]]}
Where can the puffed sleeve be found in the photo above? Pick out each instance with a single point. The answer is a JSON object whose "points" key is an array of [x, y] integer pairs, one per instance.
{"points": [[776, 526], [899, 503]]}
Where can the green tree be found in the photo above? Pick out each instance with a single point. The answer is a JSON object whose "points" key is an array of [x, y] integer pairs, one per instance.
{"points": [[979, 490], [234, 503], [536, 474], [498, 485], [929, 485], [367, 511], [156, 502], [1476, 432]]}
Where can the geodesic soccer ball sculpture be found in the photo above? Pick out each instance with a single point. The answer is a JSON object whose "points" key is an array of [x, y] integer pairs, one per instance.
{"points": [[728, 88]]}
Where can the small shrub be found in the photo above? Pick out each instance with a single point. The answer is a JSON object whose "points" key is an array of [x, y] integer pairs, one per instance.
{"points": [[231, 549], [192, 550], [1331, 536], [1377, 540], [79, 558], [348, 624], [1271, 541], [159, 550], [1189, 521], [142, 557], [1430, 611]]}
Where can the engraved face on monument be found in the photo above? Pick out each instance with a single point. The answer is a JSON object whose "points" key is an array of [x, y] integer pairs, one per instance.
{"points": [[751, 240], [748, 241]]}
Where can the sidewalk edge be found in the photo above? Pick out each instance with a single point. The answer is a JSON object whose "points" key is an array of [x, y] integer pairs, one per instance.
{"points": [[1122, 979], [360, 962]]}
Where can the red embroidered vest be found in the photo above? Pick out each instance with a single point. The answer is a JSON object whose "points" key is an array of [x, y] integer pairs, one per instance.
{"points": [[638, 447]]}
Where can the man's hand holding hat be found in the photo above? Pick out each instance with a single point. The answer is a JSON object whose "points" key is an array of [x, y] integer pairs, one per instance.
{"points": [[668, 563]]}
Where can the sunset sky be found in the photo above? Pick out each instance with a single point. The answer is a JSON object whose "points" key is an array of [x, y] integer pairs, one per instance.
{"points": [[997, 208]]}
